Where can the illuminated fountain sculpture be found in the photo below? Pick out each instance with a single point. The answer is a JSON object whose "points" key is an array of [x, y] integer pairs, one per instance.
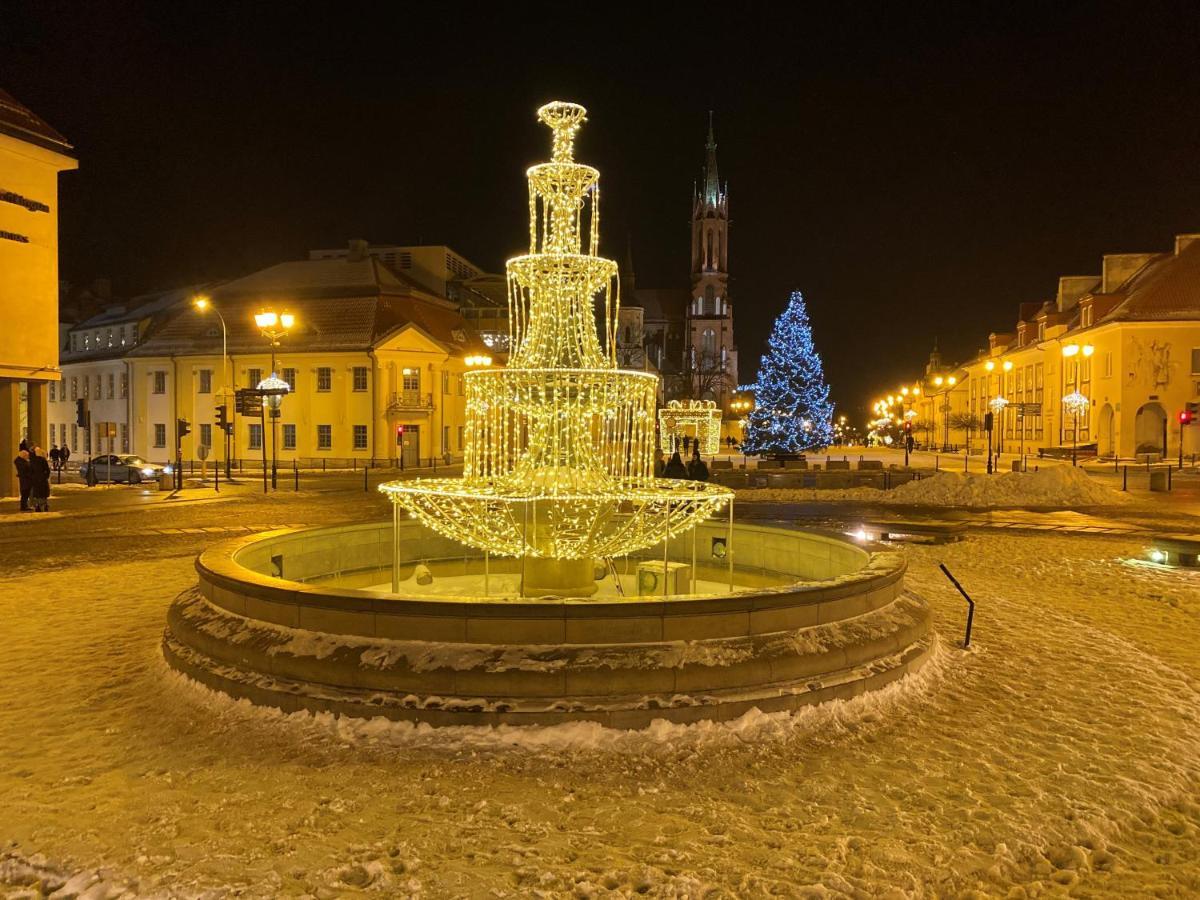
{"points": [[559, 460], [559, 479]]}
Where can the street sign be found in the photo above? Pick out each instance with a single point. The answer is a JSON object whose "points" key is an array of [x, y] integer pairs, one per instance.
{"points": [[1028, 409], [248, 402], [202, 452]]}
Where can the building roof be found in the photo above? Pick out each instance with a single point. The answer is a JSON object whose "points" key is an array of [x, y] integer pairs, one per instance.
{"points": [[1166, 288], [19, 121], [338, 304], [156, 307], [662, 303]]}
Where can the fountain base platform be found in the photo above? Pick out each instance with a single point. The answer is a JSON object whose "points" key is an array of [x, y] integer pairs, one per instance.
{"points": [[288, 619]]}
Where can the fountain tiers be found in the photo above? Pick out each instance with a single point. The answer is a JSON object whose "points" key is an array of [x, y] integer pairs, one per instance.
{"points": [[317, 640]]}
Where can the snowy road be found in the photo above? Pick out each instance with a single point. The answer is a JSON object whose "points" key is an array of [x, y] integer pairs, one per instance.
{"points": [[1062, 753]]}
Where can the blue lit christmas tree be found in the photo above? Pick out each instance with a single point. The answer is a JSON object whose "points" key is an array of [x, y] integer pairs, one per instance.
{"points": [[792, 412]]}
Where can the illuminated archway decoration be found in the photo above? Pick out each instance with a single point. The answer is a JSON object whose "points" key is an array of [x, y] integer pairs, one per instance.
{"points": [[559, 458], [700, 419]]}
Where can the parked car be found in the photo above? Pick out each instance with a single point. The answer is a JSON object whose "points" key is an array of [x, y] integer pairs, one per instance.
{"points": [[125, 469]]}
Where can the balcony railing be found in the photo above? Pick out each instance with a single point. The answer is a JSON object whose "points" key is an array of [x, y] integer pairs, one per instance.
{"points": [[410, 400]]}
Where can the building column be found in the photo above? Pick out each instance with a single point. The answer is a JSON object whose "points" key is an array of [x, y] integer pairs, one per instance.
{"points": [[37, 397], [10, 431]]}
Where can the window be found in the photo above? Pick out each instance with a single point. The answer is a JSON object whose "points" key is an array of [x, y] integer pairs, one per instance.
{"points": [[1107, 370], [412, 380], [1085, 316], [324, 379], [255, 442], [52, 392], [1196, 360], [708, 342], [445, 382], [289, 375], [324, 437], [360, 378], [1041, 331], [205, 435], [75, 435], [87, 440], [160, 434], [112, 386], [124, 437], [99, 387], [445, 438], [205, 381], [289, 437], [253, 377], [87, 387], [360, 437], [460, 437], [160, 382], [710, 301], [124, 385], [74, 388]]}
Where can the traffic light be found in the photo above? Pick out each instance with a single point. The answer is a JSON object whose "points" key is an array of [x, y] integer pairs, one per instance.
{"points": [[908, 427], [81, 413], [399, 435], [223, 419], [988, 418], [1185, 417], [182, 428]]}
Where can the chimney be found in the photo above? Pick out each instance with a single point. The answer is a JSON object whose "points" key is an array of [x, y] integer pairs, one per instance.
{"points": [[1071, 288], [359, 250], [1183, 241], [1120, 267]]}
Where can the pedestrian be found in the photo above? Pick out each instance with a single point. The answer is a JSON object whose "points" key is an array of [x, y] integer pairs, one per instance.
{"points": [[24, 473], [697, 469], [65, 455], [675, 468], [55, 457], [39, 480]]}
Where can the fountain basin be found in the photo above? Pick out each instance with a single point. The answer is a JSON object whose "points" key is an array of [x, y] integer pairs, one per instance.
{"points": [[296, 619]]}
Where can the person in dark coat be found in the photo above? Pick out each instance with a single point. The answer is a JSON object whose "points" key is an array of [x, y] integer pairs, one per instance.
{"points": [[24, 473], [39, 480], [675, 468], [55, 457], [697, 469], [65, 455]]}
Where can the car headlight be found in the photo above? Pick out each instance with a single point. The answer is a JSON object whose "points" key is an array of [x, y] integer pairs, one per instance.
{"points": [[167, 470], [147, 471]]}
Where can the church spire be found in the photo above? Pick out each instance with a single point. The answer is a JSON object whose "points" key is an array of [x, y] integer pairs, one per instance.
{"points": [[712, 185]]}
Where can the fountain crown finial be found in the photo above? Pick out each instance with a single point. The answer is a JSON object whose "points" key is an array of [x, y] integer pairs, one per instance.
{"points": [[564, 119]]}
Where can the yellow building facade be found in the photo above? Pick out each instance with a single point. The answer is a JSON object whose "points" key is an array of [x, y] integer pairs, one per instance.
{"points": [[32, 154], [1126, 341], [374, 365]]}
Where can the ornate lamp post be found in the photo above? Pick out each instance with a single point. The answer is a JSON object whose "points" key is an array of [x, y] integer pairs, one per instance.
{"points": [[1076, 404], [274, 326], [996, 405]]}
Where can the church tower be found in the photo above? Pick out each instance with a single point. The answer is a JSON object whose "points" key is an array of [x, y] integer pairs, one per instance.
{"points": [[711, 352]]}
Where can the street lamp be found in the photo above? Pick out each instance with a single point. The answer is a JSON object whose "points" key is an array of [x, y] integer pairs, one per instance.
{"points": [[274, 326], [204, 304], [996, 405], [1076, 404]]}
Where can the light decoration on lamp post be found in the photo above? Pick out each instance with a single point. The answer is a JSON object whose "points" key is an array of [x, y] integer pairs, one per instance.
{"points": [[559, 457], [1076, 404], [274, 326]]}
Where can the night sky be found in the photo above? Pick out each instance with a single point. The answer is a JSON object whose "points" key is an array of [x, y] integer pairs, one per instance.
{"points": [[915, 170]]}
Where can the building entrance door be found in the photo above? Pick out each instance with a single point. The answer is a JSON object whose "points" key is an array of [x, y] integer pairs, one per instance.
{"points": [[411, 445]]}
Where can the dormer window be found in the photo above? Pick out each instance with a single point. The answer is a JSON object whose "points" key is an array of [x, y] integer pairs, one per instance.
{"points": [[459, 335], [1042, 330], [1085, 316]]}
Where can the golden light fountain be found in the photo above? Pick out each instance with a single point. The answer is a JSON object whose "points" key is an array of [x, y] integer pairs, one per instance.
{"points": [[559, 461]]}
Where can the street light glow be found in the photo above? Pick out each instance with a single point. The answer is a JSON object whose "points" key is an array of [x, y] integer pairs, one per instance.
{"points": [[201, 302], [989, 365], [266, 319], [1008, 365]]}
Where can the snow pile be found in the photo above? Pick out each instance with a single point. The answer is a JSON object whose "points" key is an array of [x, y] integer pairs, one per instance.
{"points": [[1058, 486]]}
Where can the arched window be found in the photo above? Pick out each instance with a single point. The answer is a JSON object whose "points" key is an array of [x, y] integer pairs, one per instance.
{"points": [[708, 342]]}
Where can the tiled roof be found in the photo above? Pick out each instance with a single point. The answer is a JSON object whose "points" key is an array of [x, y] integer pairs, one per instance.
{"points": [[1167, 288], [18, 120], [338, 305]]}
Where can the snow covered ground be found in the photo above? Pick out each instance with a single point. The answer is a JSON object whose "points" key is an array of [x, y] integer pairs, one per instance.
{"points": [[1061, 753], [1062, 487]]}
